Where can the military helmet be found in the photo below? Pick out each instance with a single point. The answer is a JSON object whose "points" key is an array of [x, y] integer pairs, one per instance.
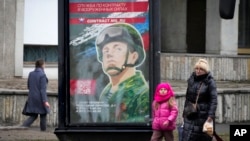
{"points": [[123, 33]]}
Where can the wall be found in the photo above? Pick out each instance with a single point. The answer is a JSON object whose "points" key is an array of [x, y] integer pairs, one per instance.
{"points": [[223, 68], [51, 72], [12, 103], [173, 25], [41, 22], [179, 67], [7, 37]]}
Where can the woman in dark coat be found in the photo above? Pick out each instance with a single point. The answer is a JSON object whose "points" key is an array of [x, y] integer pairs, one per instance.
{"points": [[37, 97], [200, 81]]}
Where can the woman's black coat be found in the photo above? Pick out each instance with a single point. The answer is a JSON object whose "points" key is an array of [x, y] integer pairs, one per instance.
{"points": [[207, 104]]}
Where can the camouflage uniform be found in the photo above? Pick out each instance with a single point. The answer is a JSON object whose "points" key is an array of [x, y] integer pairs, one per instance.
{"points": [[130, 103]]}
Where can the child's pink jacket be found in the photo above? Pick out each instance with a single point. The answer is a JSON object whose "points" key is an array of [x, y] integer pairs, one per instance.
{"points": [[163, 113]]}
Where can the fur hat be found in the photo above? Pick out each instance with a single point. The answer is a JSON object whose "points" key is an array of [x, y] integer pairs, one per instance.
{"points": [[202, 63]]}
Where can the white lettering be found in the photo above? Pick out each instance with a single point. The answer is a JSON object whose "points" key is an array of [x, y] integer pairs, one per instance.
{"points": [[239, 132]]}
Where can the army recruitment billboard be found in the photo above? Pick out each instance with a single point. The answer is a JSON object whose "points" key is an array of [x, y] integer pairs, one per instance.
{"points": [[109, 62]]}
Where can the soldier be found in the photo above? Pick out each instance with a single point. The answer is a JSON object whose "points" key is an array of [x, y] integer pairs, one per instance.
{"points": [[126, 96]]}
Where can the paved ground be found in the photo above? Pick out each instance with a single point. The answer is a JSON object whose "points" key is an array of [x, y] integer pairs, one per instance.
{"points": [[16, 133]]}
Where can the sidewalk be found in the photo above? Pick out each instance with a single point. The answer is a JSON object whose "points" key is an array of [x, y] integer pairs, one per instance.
{"points": [[16, 133]]}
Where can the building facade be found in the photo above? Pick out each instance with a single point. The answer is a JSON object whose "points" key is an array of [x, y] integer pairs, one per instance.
{"points": [[191, 27]]}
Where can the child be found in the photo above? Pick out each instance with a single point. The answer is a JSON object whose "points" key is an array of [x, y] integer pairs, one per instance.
{"points": [[165, 113]]}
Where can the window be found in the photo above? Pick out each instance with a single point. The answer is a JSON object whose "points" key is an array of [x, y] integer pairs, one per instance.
{"points": [[48, 52]]}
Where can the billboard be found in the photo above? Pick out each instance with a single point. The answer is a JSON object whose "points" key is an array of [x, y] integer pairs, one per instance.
{"points": [[108, 51]]}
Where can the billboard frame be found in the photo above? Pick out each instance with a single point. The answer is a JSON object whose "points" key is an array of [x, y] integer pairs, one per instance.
{"points": [[65, 131]]}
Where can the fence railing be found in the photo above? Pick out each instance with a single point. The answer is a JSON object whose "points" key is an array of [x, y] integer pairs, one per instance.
{"points": [[12, 103], [233, 106]]}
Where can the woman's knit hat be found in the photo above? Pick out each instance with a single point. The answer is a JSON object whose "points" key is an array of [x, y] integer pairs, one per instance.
{"points": [[202, 63]]}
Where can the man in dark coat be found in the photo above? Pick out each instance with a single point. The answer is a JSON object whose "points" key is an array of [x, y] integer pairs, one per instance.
{"points": [[37, 98], [202, 85]]}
